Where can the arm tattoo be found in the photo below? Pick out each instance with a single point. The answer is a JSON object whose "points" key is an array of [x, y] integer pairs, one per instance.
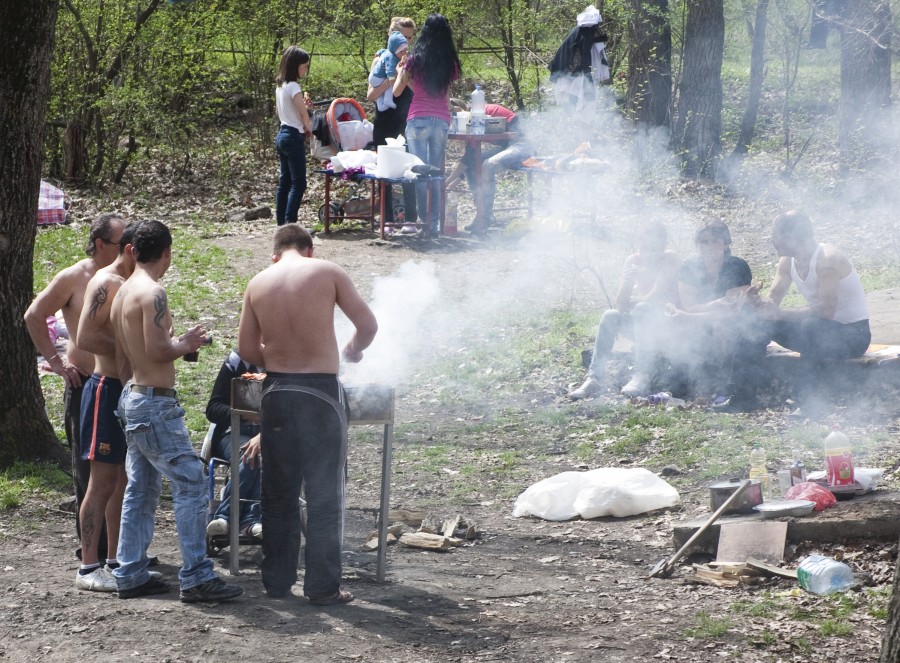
{"points": [[162, 306], [100, 298]]}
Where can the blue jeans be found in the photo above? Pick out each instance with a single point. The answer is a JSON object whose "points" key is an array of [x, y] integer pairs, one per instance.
{"points": [[249, 483], [291, 147], [426, 137], [158, 445]]}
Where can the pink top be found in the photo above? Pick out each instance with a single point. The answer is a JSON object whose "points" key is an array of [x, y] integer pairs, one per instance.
{"points": [[426, 105]]}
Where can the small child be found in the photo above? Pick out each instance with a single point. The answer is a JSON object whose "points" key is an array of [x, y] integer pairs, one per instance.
{"points": [[385, 65]]}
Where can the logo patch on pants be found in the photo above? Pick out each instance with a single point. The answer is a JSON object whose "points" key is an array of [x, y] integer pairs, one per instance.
{"points": [[104, 449]]}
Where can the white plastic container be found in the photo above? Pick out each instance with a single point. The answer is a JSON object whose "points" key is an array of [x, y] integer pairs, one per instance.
{"points": [[818, 574], [838, 459]]}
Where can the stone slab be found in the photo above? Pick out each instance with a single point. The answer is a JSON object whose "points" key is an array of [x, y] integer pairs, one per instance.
{"points": [[873, 517]]}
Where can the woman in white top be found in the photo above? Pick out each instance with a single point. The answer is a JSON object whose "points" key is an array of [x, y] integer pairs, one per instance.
{"points": [[290, 144]]}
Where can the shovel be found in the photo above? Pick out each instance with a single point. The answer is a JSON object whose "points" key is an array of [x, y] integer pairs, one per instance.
{"points": [[663, 568]]}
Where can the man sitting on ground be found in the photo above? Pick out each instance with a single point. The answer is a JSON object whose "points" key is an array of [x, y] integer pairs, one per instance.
{"points": [[835, 322]]}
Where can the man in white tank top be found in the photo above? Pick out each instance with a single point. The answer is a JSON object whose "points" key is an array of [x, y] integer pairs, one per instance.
{"points": [[835, 322]]}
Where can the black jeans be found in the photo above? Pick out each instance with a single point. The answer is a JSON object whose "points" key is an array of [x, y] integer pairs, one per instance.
{"points": [[304, 443], [819, 341]]}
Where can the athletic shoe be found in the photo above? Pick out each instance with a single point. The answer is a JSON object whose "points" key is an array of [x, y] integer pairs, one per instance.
{"points": [[212, 590], [590, 387], [98, 580], [152, 586], [153, 574], [639, 385], [217, 527], [254, 530], [409, 229]]}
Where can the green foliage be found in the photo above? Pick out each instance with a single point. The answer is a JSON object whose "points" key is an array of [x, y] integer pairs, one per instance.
{"points": [[708, 627]]}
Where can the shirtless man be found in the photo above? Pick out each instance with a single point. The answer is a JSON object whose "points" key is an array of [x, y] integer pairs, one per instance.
{"points": [[158, 441], [287, 325], [102, 437], [835, 322], [66, 293], [649, 282]]}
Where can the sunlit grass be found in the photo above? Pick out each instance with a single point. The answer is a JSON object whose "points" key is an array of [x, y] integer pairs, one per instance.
{"points": [[24, 480]]}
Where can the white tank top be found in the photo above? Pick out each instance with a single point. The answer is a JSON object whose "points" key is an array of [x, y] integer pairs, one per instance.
{"points": [[851, 298]]}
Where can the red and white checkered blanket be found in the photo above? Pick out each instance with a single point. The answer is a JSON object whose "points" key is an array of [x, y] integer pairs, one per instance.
{"points": [[51, 205]]}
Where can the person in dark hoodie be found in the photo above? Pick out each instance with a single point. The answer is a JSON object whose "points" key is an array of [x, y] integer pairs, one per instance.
{"points": [[580, 63]]}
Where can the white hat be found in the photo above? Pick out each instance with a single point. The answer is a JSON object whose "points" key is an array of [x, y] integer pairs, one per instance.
{"points": [[590, 16]]}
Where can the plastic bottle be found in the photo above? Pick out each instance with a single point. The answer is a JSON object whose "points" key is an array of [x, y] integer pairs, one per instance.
{"points": [[758, 471], [838, 458], [450, 216], [822, 575], [476, 108], [798, 472]]}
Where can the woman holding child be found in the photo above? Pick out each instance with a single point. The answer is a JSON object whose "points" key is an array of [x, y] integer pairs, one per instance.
{"points": [[390, 120], [432, 65]]}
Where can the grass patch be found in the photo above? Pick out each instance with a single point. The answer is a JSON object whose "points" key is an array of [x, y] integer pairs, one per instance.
{"points": [[24, 480], [708, 627], [836, 628]]}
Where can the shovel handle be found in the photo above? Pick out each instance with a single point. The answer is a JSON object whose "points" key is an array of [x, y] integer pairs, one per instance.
{"points": [[718, 512]]}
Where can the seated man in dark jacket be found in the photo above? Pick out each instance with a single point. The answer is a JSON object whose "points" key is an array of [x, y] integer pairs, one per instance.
{"points": [[218, 411]]}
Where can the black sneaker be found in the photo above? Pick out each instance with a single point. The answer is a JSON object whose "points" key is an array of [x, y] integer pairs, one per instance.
{"points": [[152, 586], [212, 590]]}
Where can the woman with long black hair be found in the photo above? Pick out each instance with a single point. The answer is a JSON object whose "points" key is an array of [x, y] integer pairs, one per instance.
{"points": [[430, 68], [290, 143]]}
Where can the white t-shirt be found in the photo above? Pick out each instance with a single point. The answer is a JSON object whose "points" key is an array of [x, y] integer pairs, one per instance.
{"points": [[284, 105]]}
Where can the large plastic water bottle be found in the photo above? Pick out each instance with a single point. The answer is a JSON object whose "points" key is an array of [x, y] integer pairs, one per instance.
{"points": [[476, 108], [822, 575]]}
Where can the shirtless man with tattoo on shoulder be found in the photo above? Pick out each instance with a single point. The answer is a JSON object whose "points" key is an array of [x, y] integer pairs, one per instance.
{"points": [[66, 293], [158, 441], [102, 438]]}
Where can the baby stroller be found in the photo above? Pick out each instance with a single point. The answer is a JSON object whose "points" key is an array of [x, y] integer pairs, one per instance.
{"points": [[344, 127]]}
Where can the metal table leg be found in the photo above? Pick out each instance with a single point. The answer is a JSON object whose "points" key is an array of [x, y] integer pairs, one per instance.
{"points": [[235, 501], [385, 507]]}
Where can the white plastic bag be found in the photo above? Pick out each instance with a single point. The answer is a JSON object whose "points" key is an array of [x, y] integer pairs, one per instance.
{"points": [[355, 134], [355, 159], [606, 491]]}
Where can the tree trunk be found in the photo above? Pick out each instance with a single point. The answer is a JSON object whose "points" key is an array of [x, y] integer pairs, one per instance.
{"points": [[698, 126], [26, 44], [865, 84], [757, 73], [649, 92], [890, 644]]}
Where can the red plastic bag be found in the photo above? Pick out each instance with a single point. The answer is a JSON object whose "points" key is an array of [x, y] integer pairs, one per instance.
{"points": [[813, 492]]}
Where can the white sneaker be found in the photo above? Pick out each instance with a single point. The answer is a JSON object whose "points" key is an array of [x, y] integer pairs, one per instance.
{"points": [[98, 580], [639, 385], [590, 387], [255, 530], [217, 527]]}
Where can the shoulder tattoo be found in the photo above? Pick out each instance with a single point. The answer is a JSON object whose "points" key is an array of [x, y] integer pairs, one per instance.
{"points": [[99, 299], [162, 305]]}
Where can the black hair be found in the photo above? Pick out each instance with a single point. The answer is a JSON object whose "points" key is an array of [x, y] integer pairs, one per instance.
{"points": [[291, 60], [433, 58], [150, 241], [102, 229], [128, 235], [292, 236], [717, 229]]}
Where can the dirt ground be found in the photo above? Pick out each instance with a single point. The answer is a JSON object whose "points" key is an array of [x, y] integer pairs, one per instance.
{"points": [[524, 591]]}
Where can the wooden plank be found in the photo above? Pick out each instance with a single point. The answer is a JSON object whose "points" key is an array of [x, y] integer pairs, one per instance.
{"points": [[760, 565], [761, 540]]}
